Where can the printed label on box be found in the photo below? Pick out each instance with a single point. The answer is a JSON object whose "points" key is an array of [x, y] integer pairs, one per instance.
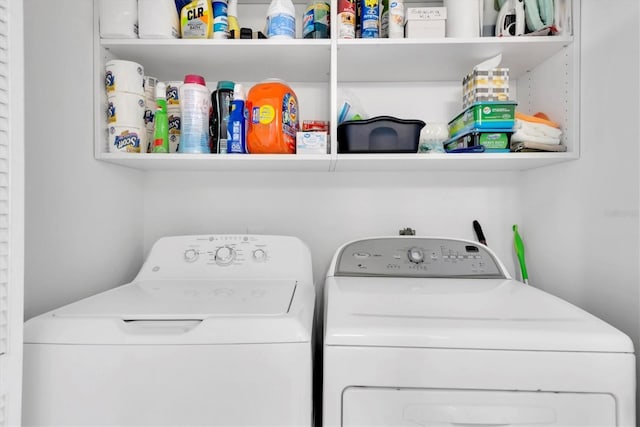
{"points": [[426, 13]]}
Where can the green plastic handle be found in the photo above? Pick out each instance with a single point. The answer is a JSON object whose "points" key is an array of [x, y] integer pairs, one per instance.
{"points": [[519, 246]]}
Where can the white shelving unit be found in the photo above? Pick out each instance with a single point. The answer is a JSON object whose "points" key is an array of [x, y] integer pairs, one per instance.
{"points": [[544, 74]]}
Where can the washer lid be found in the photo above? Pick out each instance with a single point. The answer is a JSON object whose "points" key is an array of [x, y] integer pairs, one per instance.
{"points": [[460, 313], [182, 312], [188, 299]]}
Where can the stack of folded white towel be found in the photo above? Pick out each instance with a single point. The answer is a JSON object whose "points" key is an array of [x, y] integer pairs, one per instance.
{"points": [[536, 133]]}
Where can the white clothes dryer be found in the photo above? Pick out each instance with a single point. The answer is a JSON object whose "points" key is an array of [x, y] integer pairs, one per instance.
{"points": [[214, 330], [434, 332]]}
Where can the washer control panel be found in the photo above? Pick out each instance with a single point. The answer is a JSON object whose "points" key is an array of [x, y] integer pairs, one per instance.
{"points": [[228, 256], [227, 250], [417, 257]]}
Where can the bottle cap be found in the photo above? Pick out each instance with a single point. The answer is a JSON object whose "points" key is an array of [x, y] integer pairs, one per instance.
{"points": [[194, 78], [225, 84]]}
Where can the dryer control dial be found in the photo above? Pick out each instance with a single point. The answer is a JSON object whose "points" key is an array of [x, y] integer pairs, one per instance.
{"points": [[225, 255], [416, 255]]}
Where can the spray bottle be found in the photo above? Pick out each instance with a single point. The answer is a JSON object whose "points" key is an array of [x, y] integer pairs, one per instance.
{"points": [[161, 126], [237, 126]]}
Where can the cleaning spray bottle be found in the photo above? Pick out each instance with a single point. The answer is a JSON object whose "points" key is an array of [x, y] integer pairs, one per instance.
{"points": [[237, 125], [161, 126]]}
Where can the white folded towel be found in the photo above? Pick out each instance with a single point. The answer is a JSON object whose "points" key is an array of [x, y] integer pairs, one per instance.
{"points": [[535, 132]]}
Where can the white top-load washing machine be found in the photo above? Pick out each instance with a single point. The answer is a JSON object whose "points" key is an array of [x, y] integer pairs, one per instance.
{"points": [[214, 330], [434, 332]]}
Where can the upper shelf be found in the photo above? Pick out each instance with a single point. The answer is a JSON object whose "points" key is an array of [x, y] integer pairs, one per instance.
{"points": [[377, 60], [309, 60], [299, 60]]}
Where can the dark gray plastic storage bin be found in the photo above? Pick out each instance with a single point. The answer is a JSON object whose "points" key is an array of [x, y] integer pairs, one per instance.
{"points": [[382, 134]]}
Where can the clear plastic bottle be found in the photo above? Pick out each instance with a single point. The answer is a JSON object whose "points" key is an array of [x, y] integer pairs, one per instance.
{"points": [[195, 110], [281, 20]]}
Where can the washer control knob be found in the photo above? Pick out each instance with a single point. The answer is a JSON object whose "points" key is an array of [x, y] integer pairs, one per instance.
{"points": [[225, 255], [190, 255], [415, 255], [260, 255]]}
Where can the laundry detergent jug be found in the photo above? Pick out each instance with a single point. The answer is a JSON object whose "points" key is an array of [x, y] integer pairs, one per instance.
{"points": [[273, 118]]}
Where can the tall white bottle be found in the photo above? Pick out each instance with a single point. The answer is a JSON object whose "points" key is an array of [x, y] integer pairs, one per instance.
{"points": [[396, 19], [281, 20]]}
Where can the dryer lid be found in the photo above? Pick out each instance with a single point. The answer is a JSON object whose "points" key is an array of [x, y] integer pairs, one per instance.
{"points": [[186, 299], [460, 313]]}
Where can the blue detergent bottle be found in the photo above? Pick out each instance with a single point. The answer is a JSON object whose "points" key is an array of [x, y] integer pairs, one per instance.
{"points": [[237, 125]]}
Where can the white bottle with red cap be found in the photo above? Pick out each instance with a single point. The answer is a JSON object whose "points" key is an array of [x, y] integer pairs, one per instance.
{"points": [[195, 109]]}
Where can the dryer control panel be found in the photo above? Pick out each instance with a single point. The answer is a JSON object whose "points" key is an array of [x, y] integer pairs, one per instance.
{"points": [[417, 257]]}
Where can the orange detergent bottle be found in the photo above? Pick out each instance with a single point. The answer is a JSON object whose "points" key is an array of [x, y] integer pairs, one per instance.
{"points": [[273, 118]]}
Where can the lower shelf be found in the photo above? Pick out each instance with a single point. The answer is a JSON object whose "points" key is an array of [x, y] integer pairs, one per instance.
{"points": [[218, 162], [338, 163]]}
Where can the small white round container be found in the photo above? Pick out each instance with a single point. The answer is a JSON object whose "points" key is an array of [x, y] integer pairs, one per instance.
{"points": [[118, 19], [127, 139], [125, 109], [124, 76]]}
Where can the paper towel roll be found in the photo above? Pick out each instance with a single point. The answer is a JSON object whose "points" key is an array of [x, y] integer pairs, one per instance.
{"points": [[463, 18]]}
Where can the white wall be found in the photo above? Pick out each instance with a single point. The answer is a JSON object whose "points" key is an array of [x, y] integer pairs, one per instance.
{"points": [[328, 209], [581, 219], [83, 217]]}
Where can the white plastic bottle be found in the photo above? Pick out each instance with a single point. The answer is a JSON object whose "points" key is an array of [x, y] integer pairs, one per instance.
{"points": [[195, 108], [281, 20], [396, 19]]}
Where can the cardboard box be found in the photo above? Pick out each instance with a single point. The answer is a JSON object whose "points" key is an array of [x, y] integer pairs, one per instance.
{"points": [[425, 29], [311, 143], [488, 85], [426, 13], [425, 22]]}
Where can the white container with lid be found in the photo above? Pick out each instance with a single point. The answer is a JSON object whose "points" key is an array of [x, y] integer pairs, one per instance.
{"points": [[195, 109], [118, 19], [281, 20], [158, 19]]}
